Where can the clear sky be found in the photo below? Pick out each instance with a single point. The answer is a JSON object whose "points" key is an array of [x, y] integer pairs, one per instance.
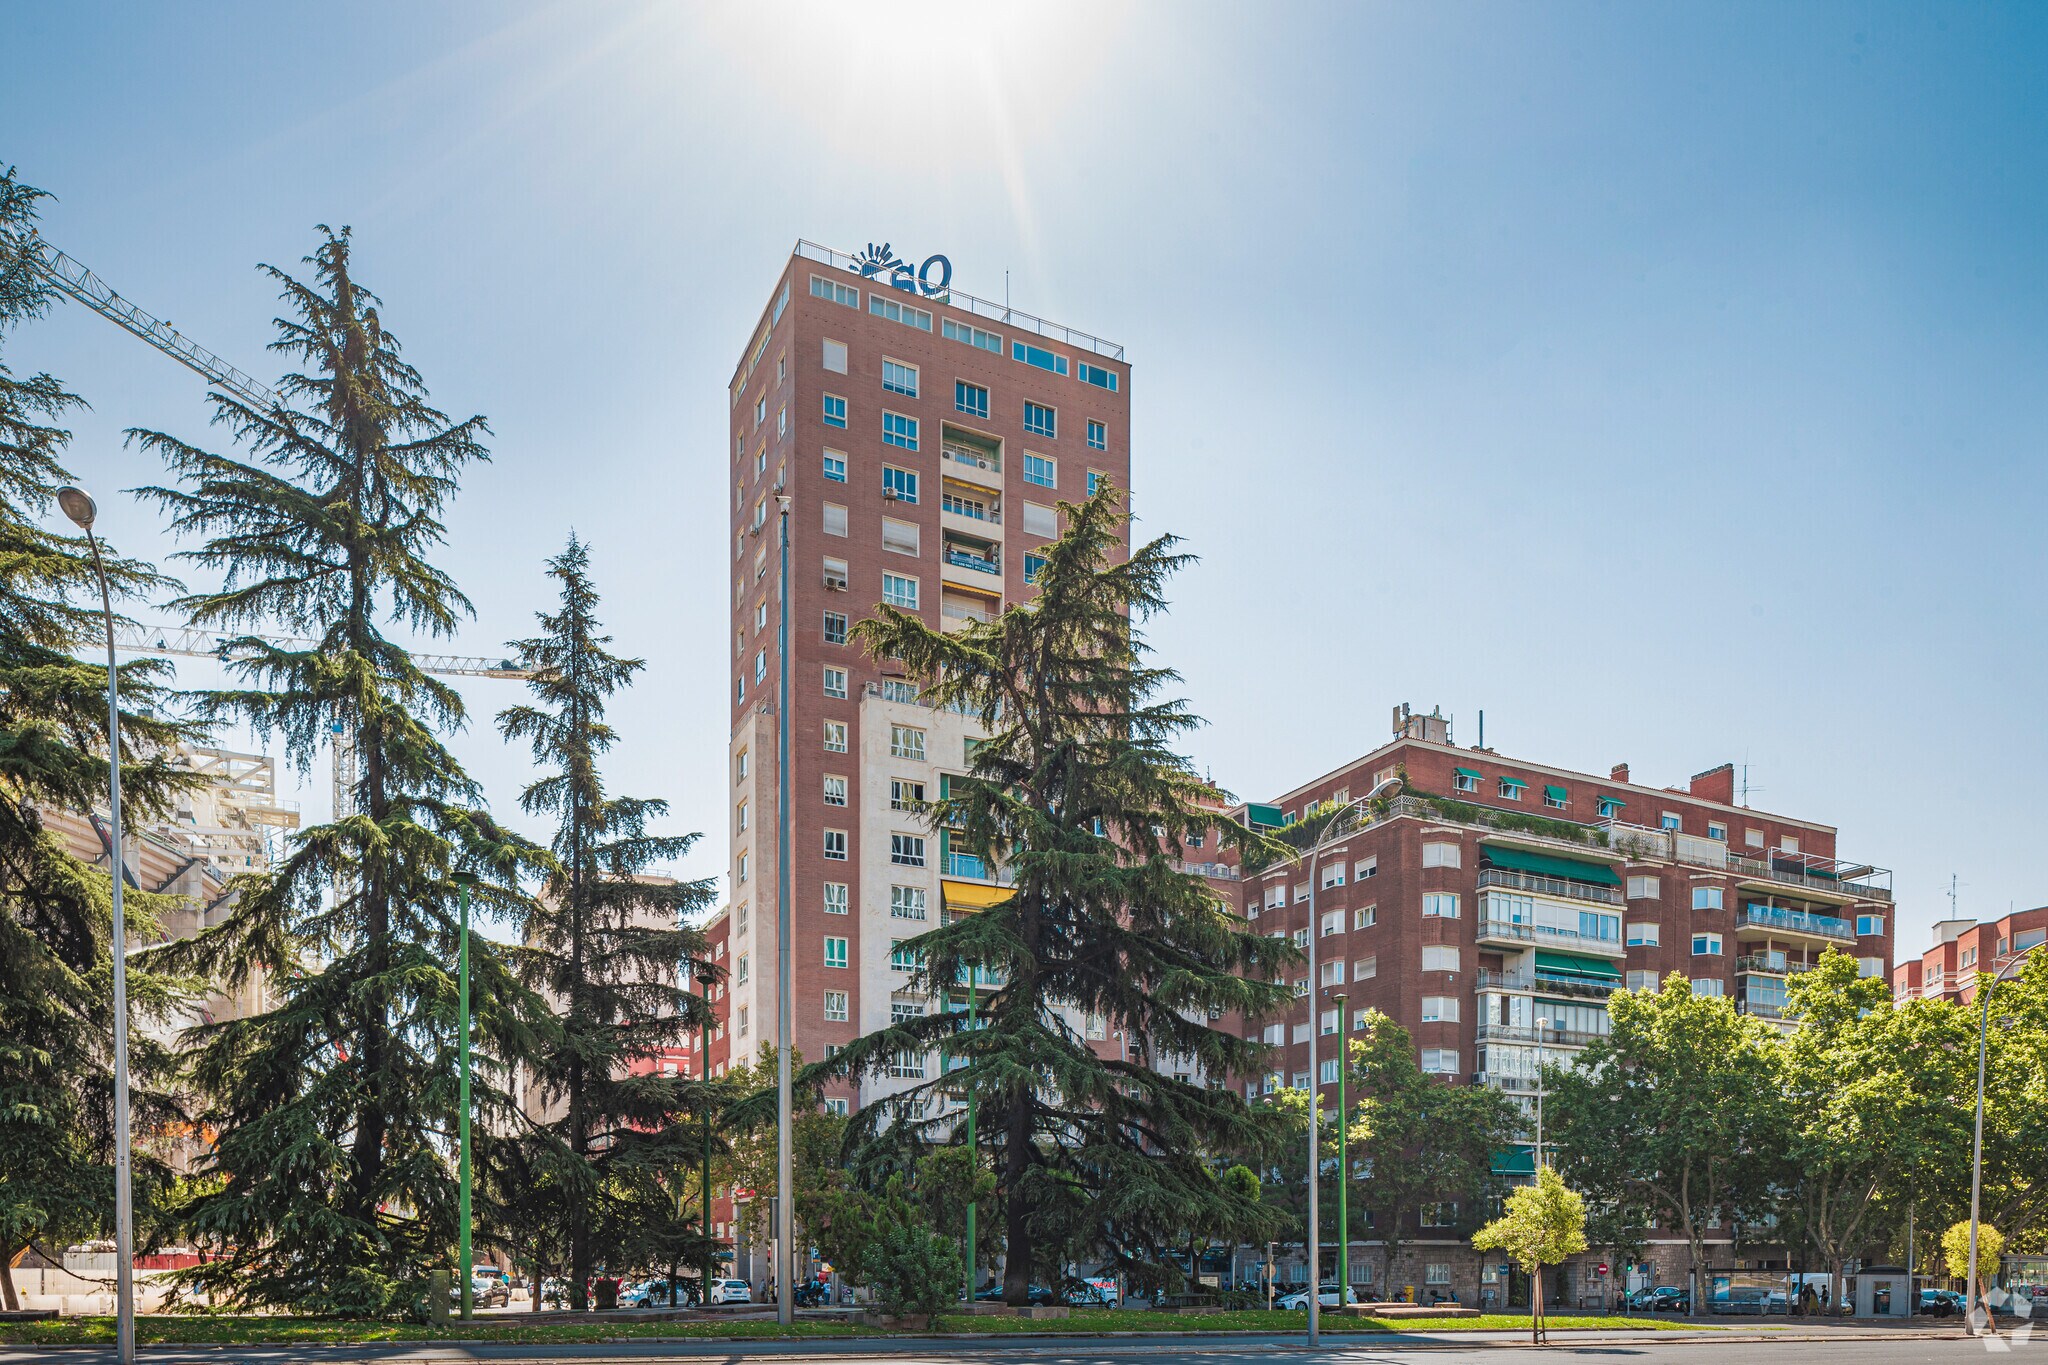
{"points": [[1666, 380]]}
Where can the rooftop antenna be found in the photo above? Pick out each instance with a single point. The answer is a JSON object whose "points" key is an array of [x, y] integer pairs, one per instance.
{"points": [[1746, 788], [1482, 729], [1952, 885], [1006, 296]]}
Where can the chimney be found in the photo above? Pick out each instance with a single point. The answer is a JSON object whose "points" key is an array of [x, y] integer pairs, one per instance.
{"points": [[1619, 773], [1715, 784]]}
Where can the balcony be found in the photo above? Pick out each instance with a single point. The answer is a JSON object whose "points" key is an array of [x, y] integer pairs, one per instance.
{"points": [[970, 508], [1772, 964], [1549, 886], [1829, 878], [1770, 921], [1547, 982], [966, 559], [1552, 1037], [1515, 934], [1222, 872], [1762, 1009], [983, 468]]}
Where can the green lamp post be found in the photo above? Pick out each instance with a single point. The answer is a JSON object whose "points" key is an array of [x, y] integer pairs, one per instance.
{"points": [[463, 881]]}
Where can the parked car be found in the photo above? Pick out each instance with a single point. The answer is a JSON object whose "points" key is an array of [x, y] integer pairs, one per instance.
{"points": [[654, 1293], [1665, 1298], [1037, 1295], [731, 1291], [1326, 1296], [1939, 1303], [485, 1291], [1100, 1291]]}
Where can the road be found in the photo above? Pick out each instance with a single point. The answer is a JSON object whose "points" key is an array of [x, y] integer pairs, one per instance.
{"points": [[1835, 1347]]}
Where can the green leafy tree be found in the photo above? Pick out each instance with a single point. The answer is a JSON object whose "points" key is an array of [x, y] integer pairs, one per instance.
{"points": [[604, 940], [56, 910], [335, 1108], [1673, 1111], [1869, 1104], [1543, 1223], [912, 1269], [746, 1158], [1078, 794], [1420, 1141], [2015, 1106], [1955, 1253]]}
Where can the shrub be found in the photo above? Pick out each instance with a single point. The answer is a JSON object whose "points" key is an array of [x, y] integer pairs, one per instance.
{"points": [[912, 1269]]}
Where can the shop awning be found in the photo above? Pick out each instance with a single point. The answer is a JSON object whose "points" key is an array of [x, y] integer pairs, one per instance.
{"points": [[1558, 794], [1568, 964], [1549, 865]]}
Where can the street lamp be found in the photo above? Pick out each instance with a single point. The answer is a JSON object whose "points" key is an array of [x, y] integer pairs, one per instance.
{"points": [[1977, 1145], [1343, 1165], [785, 1184], [1335, 831], [466, 1257], [80, 508], [1542, 1027]]}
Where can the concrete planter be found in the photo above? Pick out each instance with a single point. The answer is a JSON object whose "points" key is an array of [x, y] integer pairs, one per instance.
{"points": [[908, 1322]]}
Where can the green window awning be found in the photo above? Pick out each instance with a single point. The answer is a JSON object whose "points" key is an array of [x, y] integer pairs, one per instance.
{"points": [[1513, 782], [1556, 793], [1548, 865], [1263, 817], [1612, 803], [1569, 964], [1515, 1161], [1472, 773]]}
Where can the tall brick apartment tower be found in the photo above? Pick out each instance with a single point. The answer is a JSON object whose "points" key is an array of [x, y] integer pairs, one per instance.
{"points": [[924, 438]]}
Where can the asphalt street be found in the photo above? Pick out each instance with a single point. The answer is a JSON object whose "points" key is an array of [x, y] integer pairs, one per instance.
{"points": [[1841, 1347]]}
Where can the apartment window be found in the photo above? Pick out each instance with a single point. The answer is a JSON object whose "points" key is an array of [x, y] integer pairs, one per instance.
{"points": [[760, 410], [742, 822], [742, 1021], [900, 484], [1439, 957], [834, 358], [835, 468], [835, 845], [1718, 830], [835, 627], [1333, 875], [834, 291], [906, 741], [835, 952], [904, 1007], [1042, 470], [835, 1007], [1709, 986], [1706, 945], [1669, 820], [739, 689], [1365, 968], [1301, 1080], [1869, 925], [1642, 935], [1332, 974], [1095, 374], [1040, 520], [1326, 1070], [899, 430], [835, 898], [834, 524], [1511, 788], [906, 902], [739, 971], [897, 311], [835, 736], [1095, 481], [903, 959], [782, 421], [1041, 420], [1439, 1009], [835, 791], [1440, 905], [1333, 922], [1301, 938], [1365, 916], [1365, 867], [1753, 838], [1464, 780], [739, 766], [1300, 892], [1442, 855], [971, 399], [899, 590], [760, 665], [1034, 565], [899, 378], [1437, 1272], [1788, 844], [1440, 1061], [1098, 438], [1610, 809], [972, 336], [1643, 889], [835, 682], [1039, 356], [1870, 966], [835, 411], [906, 850], [905, 794], [1640, 981], [743, 866], [1556, 798], [900, 536], [1706, 898]]}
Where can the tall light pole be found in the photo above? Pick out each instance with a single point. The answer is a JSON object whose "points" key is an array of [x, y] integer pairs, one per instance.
{"points": [[466, 1257], [80, 508], [973, 1153], [1335, 831], [785, 1185], [1343, 1165], [1542, 1027], [1977, 1144]]}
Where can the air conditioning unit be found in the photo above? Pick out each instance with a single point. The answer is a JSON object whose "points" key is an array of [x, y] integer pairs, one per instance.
{"points": [[888, 495], [835, 582]]}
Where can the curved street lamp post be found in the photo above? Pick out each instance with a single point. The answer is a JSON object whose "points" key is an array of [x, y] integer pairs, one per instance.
{"points": [[1976, 1323]]}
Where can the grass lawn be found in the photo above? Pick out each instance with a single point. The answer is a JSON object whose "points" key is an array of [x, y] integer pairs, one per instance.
{"points": [[201, 1328]]}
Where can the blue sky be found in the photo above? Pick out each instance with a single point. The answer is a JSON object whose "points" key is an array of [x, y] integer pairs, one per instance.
{"points": [[1665, 380]]}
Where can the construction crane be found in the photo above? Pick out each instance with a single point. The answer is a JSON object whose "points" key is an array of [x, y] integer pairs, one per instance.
{"points": [[70, 276]]}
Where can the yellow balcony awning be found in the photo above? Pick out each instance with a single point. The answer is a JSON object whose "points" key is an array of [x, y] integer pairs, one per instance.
{"points": [[971, 895]]}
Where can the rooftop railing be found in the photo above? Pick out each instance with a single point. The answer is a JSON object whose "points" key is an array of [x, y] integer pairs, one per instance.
{"points": [[1805, 871], [1013, 318]]}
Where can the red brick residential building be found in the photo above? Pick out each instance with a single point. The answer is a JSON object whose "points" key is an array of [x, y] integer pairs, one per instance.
{"points": [[1962, 949]]}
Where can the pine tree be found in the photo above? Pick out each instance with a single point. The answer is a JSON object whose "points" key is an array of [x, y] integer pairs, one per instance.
{"points": [[1079, 795], [604, 940], [56, 912], [336, 1108]]}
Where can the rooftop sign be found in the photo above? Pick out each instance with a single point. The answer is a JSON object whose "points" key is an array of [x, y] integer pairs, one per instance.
{"points": [[882, 263]]}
